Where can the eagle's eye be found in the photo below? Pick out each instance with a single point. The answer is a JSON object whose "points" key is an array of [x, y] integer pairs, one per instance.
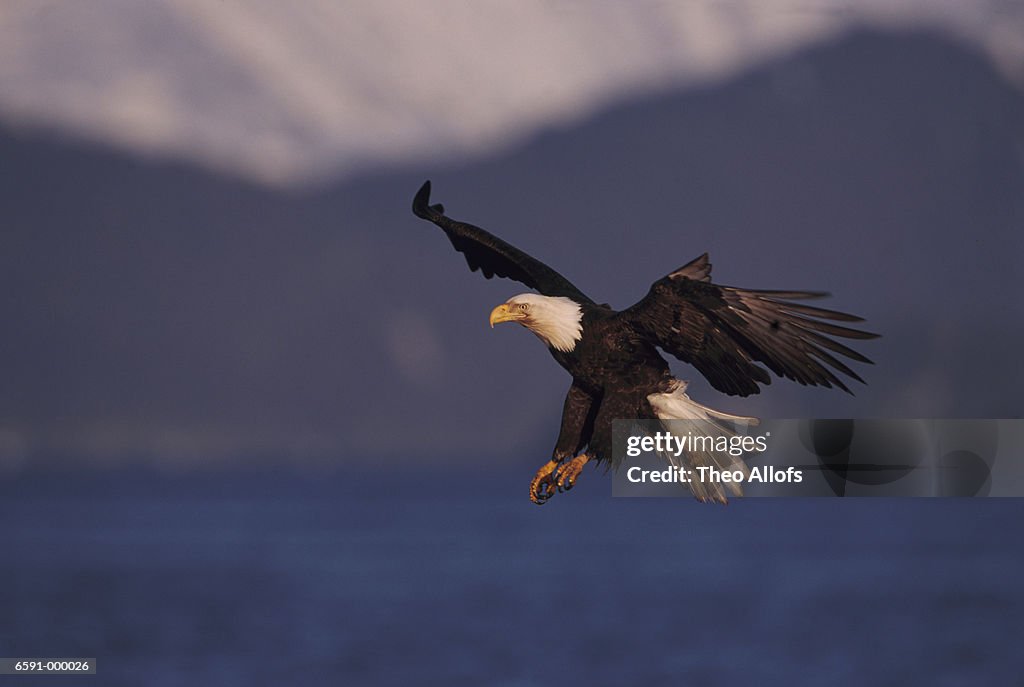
{"points": [[524, 306]]}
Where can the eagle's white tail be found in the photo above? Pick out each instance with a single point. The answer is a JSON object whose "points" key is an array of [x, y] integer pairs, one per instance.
{"points": [[682, 416]]}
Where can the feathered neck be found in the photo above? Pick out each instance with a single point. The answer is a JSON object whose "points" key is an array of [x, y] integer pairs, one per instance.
{"points": [[557, 321]]}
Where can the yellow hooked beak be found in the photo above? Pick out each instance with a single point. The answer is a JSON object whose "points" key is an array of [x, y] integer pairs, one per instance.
{"points": [[504, 314]]}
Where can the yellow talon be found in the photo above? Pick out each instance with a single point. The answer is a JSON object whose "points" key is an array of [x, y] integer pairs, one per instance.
{"points": [[567, 474], [543, 485]]}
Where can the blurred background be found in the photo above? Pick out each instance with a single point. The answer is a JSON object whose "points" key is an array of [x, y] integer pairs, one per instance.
{"points": [[254, 425]]}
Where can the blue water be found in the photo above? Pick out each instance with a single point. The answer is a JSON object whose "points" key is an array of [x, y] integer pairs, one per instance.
{"points": [[456, 579]]}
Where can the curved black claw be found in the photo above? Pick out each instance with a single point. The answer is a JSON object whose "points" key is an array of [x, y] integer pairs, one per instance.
{"points": [[543, 493]]}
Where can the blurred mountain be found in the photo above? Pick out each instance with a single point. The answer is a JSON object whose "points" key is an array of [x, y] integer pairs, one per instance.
{"points": [[286, 92], [155, 309]]}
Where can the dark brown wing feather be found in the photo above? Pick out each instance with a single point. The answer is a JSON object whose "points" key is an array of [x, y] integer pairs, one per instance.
{"points": [[492, 256], [724, 331]]}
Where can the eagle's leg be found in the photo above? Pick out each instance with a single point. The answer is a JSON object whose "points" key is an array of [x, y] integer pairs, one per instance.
{"points": [[543, 485], [569, 471], [577, 426]]}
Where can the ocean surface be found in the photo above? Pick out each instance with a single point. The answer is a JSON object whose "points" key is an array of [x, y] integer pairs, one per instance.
{"points": [[455, 578]]}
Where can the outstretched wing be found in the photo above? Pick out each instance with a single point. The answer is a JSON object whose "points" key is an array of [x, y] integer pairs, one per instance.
{"points": [[724, 331], [492, 256]]}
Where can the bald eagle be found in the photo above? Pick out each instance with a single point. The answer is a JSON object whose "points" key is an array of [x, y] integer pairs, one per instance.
{"points": [[613, 355]]}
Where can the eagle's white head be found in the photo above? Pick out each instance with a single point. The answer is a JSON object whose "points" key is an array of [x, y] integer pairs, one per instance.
{"points": [[556, 320]]}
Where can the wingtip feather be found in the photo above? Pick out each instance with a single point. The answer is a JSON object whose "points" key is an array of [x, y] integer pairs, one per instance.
{"points": [[421, 203]]}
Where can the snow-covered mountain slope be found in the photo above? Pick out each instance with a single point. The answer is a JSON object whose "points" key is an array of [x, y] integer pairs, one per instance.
{"points": [[288, 92]]}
